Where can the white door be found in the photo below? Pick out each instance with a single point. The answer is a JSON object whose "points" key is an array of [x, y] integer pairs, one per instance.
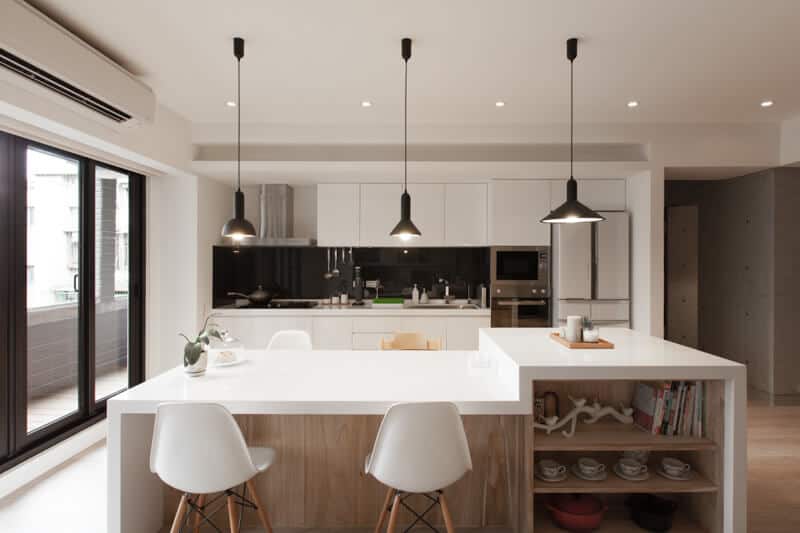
{"points": [[598, 194], [465, 209], [427, 213], [380, 213], [515, 210], [613, 257], [574, 250], [337, 214]]}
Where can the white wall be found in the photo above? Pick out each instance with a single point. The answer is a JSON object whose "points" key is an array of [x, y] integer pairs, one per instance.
{"points": [[790, 141], [214, 208], [645, 201]]}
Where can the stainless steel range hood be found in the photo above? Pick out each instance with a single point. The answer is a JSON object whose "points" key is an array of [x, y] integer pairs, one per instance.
{"points": [[276, 219]]}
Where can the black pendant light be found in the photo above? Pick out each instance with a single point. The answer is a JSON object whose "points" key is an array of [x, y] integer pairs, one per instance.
{"points": [[405, 230], [238, 227], [571, 211]]}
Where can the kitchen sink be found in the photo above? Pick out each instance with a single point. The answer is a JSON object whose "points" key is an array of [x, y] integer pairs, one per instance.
{"points": [[442, 306]]}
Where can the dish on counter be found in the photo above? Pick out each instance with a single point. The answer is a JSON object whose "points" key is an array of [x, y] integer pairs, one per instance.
{"points": [[226, 358]]}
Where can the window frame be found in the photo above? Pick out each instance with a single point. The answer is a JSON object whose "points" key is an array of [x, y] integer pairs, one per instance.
{"points": [[16, 444]]}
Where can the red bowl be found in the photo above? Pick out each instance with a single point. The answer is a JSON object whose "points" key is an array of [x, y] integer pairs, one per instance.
{"points": [[576, 512]]}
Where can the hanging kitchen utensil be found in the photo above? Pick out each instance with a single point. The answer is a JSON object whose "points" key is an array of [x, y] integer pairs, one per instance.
{"points": [[335, 270], [328, 274]]}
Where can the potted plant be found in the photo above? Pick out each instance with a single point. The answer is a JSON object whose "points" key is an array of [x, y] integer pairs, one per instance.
{"points": [[195, 357]]}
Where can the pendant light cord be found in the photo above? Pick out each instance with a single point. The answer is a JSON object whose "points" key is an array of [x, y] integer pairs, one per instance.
{"points": [[405, 129], [571, 120], [238, 124]]}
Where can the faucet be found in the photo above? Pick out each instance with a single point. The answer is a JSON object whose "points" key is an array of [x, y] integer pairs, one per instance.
{"points": [[447, 295]]}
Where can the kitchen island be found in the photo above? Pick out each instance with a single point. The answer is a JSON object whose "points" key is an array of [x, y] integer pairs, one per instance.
{"points": [[321, 409]]}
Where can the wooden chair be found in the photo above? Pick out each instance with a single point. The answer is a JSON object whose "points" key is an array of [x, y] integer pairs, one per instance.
{"points": [[410, 341]]}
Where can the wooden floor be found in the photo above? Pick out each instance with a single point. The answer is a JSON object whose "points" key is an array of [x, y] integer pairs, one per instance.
{"points": [[51, 407], [773, 489], [773, 457]]}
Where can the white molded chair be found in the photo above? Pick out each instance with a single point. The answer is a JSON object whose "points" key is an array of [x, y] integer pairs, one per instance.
{"points": [[290, 339], [199, 449], [420, 448]]}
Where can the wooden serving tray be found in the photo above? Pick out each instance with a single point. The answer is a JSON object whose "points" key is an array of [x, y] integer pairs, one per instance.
{"points": [[601, 344]]}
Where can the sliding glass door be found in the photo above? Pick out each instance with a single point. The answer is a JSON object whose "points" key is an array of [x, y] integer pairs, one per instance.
{"points": [[71, 325]]}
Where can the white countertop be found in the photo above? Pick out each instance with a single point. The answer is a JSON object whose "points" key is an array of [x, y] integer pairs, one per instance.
{"points": [[494, 380]]}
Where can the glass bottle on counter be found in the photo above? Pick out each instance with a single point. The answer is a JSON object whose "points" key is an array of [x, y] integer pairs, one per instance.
{"points": [[415, 295]]}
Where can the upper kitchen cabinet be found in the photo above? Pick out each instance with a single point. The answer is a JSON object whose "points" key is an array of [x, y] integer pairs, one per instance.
{"points": [[465, 214], [338, 214], [515, 210], [380, 212], [427, 213], [613, 257], [600, 194]]}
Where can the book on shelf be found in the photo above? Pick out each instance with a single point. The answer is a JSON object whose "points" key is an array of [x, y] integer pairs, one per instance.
{"points": [[672, 408]]}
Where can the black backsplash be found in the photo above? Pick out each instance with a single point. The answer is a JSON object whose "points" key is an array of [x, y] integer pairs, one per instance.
{"points": [[297, 272]]}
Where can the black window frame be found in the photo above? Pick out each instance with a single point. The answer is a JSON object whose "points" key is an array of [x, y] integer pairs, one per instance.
{"points": [[16, 444]]}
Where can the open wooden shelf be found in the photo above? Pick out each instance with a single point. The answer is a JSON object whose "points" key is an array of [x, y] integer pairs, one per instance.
{"points": [[614, 437], [615, 485], [616, 522]]}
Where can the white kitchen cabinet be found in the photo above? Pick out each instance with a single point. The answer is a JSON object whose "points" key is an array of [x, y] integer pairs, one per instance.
{"points": [[338, 210], [332, 333], [462, 332], [612, 256], [368, 341], [427, 213], [574, 258], [516, 208], [613, 311], [598, 194], [465, 208], [380, 213], [256, 331], [431, 327]]}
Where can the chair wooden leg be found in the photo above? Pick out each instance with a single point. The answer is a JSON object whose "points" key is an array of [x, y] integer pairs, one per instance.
{"points": [[232, 516], [448, 520], [393, 514], [199, 503], [382, 516], [260, 509], [179, 514]]}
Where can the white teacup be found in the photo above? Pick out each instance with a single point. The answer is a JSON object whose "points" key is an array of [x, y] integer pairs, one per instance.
{"points": [[675, 467], [590, 466], [631, 467], [551, 469]]}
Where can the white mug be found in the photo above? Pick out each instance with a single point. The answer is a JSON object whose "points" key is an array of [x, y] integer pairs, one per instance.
{"points": [[574, 328]]}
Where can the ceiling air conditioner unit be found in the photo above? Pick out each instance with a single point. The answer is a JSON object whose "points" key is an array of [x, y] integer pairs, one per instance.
{"points": [[35, 47]]}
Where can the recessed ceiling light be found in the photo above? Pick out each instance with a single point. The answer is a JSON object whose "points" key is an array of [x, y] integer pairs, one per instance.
{"points": [[767, 103], [499, 103], [366, 103], [230, 103], [633, 103]]}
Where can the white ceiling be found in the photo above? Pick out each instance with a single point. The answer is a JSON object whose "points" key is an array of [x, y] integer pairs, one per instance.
{"points": [[313, 61]]}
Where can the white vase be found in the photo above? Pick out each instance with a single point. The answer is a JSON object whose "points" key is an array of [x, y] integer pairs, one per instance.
{"points": [[199, 366]]}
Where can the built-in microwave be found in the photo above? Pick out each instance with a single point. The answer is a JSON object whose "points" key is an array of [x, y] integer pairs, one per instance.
{"points": [[520, 271]]}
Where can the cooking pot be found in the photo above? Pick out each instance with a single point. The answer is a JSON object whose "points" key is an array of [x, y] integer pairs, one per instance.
{"points": [[578, 512], [258, 296], [651, 512]]}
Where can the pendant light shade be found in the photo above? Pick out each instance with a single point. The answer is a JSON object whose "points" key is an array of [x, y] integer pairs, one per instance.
{"points": [[572, 211], [405, 230], [238, 227]]}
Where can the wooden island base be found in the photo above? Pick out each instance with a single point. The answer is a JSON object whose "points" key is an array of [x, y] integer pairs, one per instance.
{"points": [[318, 478]]}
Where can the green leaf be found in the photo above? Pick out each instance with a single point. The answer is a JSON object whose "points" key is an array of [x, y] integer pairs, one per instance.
{"points": [[192, 352]]}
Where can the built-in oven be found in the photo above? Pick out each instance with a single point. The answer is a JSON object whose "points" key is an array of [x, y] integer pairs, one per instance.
{"points": [[520, 271], [520, 313]]}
